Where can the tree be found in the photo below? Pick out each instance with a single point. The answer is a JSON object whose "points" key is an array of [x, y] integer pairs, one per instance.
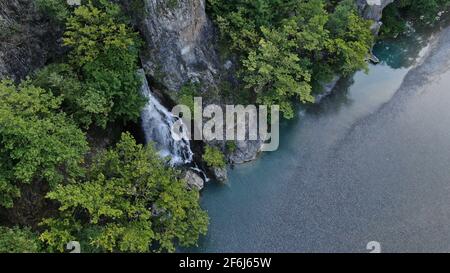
{"points": [[100, 83], [18, 240], [425, 10], [62, 80], [57, 10], [351, 39], [92, 31], [129, 201], [276, 72], [37, 141], [289, 46], [417, 12]]}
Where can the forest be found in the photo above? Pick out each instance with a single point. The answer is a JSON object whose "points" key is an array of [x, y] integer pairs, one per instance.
{"points": [[71, 171]]}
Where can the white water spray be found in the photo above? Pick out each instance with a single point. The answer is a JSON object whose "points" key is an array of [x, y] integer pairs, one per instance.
{"points": [[157, 122]]}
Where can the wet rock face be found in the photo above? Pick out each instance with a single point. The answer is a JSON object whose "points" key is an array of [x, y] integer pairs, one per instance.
{"points": [[179, 44], [27, 40], [220, 174]]}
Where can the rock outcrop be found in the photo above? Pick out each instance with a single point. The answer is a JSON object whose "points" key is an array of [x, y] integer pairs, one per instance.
{"points": [[220, 174], [179, 44], [27, 39], [373, 10], [181, 47], [245, 151], [193, 180]]}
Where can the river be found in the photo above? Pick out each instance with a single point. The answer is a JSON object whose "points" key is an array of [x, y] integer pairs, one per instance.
{"points": [[371, 162]]}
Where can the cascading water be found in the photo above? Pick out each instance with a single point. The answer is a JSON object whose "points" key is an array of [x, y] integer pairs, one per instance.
{"points": [[157, 122]]}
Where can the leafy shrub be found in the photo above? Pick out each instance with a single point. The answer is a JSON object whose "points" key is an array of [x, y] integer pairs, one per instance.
{"points": [[214, 157], [129, 200], [100, 83], [17, 240], [37, 141], [57, 10], [231, 146], [287, 46], [186, 95]]}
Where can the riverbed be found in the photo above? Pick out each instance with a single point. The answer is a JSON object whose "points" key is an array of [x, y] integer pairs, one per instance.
{"points": [[371, 162]]}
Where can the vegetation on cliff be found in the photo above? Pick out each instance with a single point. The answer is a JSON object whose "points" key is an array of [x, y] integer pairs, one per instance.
{"points": [[38, 141], [287, 47], [127, 201], [119, 199], [213, 157], [99, 83], [419, 12]]}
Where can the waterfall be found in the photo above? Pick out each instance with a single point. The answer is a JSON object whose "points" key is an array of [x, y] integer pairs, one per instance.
{"points": [[157, 122]]}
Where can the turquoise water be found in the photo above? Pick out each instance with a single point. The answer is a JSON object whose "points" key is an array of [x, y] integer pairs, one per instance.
{"points": [[370, 163]]}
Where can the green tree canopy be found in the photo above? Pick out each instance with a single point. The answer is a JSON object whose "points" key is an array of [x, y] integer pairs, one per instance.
{"points": [[17, 240], [129, 201], [100, 83], [288, 46], [276, 72], [214, 157], [37, 141], [418, 12]]}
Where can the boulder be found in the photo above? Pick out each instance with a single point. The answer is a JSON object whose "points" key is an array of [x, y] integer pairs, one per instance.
{"points": [[220, 174], [194, 181], [373, 10]]}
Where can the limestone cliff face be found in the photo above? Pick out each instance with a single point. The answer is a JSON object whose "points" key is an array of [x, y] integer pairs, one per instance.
{"points": [[180, 48], [373, 10], [179, 44], [27, 40]]}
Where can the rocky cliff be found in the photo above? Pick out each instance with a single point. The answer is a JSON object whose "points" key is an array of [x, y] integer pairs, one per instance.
{"points": [[180, 44], [373, 10], [27, 39]]}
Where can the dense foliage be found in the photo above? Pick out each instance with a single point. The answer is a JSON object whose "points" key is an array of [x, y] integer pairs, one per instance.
{"points": [[100, 83], [17, 240], [124, 198], [38, 142], [129, 201], [56, 10], [396, 15], [289, 46], [120, 199]]}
